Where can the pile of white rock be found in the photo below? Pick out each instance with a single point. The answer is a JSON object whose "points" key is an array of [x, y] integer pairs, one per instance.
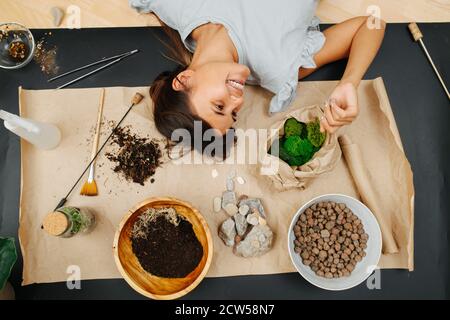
{"points": [[246, 229]]}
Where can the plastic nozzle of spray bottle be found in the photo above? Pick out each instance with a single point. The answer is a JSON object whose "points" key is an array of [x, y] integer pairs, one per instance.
{"points": [[42, 135]]}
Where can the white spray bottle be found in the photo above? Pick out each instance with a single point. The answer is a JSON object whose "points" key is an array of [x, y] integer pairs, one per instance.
{"points": [[43, 135]]}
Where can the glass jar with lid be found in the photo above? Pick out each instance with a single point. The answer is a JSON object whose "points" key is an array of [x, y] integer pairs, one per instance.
{"points": [[66, 222]]}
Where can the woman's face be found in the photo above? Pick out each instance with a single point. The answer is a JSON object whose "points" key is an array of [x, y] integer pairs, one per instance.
{"points": [[216, 92]]}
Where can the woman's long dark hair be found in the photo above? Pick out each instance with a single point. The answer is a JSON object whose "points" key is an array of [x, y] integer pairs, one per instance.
{"points": [[172, 108]]}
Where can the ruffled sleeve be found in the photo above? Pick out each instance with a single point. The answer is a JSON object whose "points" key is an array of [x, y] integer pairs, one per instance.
{"points": [[314, 42], [142, 6], [286, 92]]}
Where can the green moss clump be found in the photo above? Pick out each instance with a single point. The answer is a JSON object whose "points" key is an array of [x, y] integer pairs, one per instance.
{"points": [[298, 147], [289, 158], [300, 142], [292, 127], [316, 137]]}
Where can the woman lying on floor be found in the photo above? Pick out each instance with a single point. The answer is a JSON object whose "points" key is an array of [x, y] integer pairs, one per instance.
{"points": [[227, 44]]}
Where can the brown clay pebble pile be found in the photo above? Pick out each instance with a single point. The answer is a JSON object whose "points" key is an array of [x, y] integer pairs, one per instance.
{"points": [[330, 239], [165, 243], [137, 158]]}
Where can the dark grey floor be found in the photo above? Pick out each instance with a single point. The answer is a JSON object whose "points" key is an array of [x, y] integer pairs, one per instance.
{"points": [[421, 109]]}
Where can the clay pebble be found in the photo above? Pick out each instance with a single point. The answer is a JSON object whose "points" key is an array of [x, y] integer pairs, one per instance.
{"points": [[330, 239]]}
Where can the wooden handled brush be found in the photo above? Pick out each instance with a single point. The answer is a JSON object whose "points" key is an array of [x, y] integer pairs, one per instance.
{"points": [[90, 186], [137, 98]]}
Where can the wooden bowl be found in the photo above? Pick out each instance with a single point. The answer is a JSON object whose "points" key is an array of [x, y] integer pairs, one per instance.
{"points": [[145, 283]]}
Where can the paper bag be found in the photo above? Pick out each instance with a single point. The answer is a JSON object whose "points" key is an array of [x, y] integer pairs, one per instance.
{"points": [[282, 175]]}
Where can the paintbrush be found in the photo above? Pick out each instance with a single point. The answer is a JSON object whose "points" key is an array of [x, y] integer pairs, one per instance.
{"points": [[137, 98], [90, 186]]}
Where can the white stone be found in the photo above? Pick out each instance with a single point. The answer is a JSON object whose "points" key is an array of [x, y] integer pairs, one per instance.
{"points": [[252, 245], [230, 184], [231, 209], [253, 219], [244, 209], [241, 224], [227, 198], [254, 203], [214, 173], [217, 204], [240, 180], [227, 232]]}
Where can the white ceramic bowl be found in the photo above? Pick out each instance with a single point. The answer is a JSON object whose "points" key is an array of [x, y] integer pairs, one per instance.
{"points": [[363, 268]]}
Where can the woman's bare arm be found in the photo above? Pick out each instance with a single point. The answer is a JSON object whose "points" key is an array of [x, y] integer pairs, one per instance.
{"points": [[357, 39]]}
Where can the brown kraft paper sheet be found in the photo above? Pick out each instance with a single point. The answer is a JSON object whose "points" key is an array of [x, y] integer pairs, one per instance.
{"points": [[47, 175]]}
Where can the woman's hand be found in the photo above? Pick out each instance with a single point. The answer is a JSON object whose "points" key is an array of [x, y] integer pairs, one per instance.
{"points": [[341, 109]]}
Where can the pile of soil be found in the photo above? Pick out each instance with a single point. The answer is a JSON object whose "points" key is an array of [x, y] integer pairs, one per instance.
{"points": [[166, 248], [137, 157]]}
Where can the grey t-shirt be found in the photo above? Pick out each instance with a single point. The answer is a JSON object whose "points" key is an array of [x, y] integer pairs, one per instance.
{"points": [[273, 38]]}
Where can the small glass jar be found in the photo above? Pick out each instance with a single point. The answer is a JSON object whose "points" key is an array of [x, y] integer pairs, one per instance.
{"points": [[66, 222]]}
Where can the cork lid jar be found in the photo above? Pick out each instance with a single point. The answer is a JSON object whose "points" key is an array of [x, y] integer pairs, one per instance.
{"points": [[68, 221]]}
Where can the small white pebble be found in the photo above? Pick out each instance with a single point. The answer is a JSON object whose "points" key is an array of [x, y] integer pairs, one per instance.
{"points": [[214, 173], [217, 205], [253, 219], [244, 209], [231, 209], [240, 180], [230, 184]]}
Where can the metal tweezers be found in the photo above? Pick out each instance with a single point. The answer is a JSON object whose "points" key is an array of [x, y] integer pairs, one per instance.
{"points": [[113, 59]]}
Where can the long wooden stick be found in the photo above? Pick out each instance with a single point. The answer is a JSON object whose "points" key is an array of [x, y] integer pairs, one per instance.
{"points": [[137, 98], [99, 123], [417, 35]]}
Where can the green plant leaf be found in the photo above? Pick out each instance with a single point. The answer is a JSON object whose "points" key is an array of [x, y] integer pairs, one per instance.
{"points": [[8, 256]]}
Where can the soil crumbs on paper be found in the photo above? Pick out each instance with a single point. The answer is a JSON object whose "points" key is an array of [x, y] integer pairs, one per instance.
{"points": [[137, 157]]}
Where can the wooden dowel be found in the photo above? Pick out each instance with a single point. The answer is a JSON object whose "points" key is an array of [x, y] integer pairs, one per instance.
{"points": [[417, 35], [415, 31]]}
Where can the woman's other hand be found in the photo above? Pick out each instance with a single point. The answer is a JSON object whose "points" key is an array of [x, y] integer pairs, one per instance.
{"points": [[342, 107]]}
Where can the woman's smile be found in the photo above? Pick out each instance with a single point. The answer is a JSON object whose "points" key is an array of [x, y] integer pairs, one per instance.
{"points": [[236, 87]]}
